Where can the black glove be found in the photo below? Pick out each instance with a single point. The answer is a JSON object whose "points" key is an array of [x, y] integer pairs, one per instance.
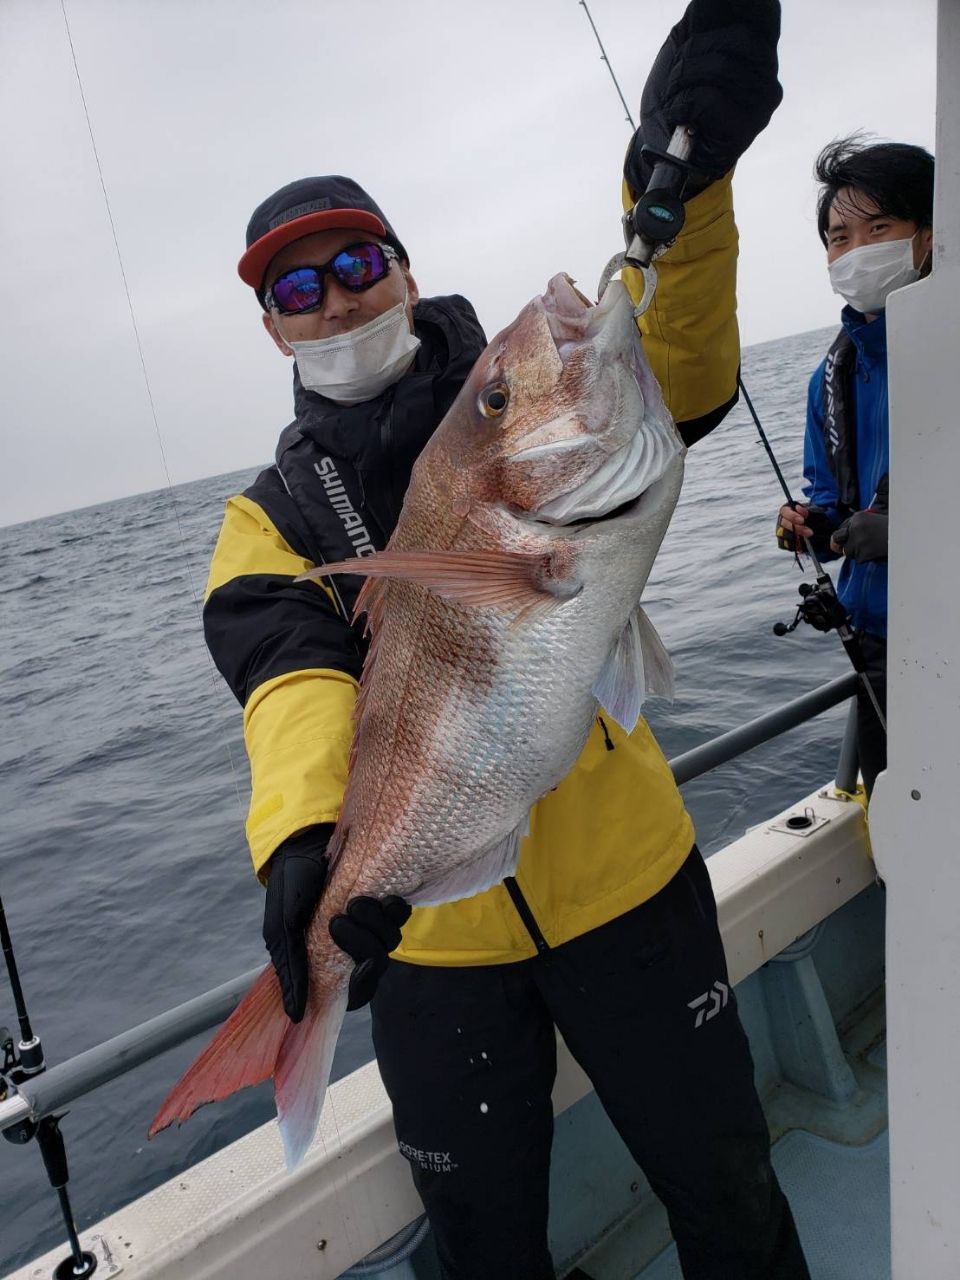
{"points": [[717, 73], [298, 872], [367, 933], [864, 536]]}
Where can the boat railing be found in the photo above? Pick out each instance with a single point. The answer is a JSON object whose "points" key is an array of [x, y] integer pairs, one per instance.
{"points": [[64, 1083]]}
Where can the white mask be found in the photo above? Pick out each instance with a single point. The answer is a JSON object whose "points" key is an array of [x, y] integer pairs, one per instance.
{"points": [[351, 367], [866, 276]]}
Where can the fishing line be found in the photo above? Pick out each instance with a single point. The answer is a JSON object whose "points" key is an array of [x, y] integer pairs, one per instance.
{"points": [[126, 289], [353, 1244], [146, 378]]}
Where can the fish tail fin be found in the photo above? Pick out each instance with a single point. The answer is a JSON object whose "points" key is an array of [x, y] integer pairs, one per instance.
{"points": [[303, 1069], [243, 1052]]}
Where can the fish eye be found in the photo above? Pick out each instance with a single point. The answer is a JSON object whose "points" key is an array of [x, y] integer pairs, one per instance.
{"points": [[493, 400]]}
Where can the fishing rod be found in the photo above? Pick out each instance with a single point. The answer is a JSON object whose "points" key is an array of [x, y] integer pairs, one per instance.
{"points": [[20, 1063], [604, 58], [819, 605]]}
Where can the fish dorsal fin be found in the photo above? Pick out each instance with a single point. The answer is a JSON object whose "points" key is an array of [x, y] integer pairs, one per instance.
{"points": [[463, 881], [637, 667], [509, 579]]}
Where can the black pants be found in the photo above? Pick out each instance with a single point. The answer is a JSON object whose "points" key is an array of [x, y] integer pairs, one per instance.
{"points": [[871, 739], [468, 1057]]}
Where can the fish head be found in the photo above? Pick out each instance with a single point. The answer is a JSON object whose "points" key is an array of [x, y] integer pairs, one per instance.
{"points": [[561, 419]]}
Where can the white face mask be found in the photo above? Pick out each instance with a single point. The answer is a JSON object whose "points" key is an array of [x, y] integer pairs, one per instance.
{"points": [[865, 277], [351, 367]]}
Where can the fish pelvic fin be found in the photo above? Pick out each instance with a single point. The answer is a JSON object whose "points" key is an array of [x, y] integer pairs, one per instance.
{"points": [[505, 579], [243, 1052], [303, 1069], [637, 667], [657, 663]]}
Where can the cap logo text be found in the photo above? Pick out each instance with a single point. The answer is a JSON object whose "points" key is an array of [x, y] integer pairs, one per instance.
{"points": [[299, 211]]}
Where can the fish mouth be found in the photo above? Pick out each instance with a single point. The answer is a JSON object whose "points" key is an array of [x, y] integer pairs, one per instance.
{"points": [[630, 444], [604, 337], [574, 320]]}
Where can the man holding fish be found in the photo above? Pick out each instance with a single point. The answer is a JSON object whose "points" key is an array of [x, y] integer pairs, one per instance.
{"points": [[501, 779]]}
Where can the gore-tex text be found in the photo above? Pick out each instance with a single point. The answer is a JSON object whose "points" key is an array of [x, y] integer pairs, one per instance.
{"points": [[432, 1161]]}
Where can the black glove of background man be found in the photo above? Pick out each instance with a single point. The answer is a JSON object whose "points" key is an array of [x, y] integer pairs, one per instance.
{"points": [[864, 536], [368, 932], [717, 73]]}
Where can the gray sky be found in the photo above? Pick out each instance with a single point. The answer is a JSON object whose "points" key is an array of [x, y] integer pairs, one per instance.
{"points": [[489, 132]]}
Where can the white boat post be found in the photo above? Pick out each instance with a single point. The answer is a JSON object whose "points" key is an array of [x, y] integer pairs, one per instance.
{"points": [[915, 813]]}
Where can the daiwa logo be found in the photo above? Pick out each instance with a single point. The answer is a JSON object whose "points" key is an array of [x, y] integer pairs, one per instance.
{"points": [[718, 995], [356, 529], [829, 370]]}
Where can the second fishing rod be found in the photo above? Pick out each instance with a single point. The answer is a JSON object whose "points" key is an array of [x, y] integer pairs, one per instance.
{"points": [[820, 606]]}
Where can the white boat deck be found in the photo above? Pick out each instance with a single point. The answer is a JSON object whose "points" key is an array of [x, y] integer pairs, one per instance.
{"points": [[240, 1214]]}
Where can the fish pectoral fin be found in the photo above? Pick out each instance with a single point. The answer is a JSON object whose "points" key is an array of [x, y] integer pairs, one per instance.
{"points": [[637, 667], [510, 579], [467, 879]]}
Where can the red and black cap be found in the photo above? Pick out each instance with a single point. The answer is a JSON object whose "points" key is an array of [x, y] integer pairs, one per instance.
{"points": [[305, 206]]}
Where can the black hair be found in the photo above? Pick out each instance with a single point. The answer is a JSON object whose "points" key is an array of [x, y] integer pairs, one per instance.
{"points": [[895, 176]]}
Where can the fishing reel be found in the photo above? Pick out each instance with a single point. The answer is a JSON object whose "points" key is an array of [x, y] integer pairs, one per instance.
{"points": [[818, 606], [13, 1072]]}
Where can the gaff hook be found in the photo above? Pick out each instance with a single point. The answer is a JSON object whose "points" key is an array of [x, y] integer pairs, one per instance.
{"points": [[657, 218]]}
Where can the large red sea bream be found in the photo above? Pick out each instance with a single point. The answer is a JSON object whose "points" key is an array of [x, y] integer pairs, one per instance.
{"points": [[503, 610]]}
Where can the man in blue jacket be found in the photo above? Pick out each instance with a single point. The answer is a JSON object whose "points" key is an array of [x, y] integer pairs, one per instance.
{"points": [[874, 215]]}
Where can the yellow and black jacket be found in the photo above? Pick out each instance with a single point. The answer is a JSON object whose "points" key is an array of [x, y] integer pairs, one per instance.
{"points": [[615, 830]]}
